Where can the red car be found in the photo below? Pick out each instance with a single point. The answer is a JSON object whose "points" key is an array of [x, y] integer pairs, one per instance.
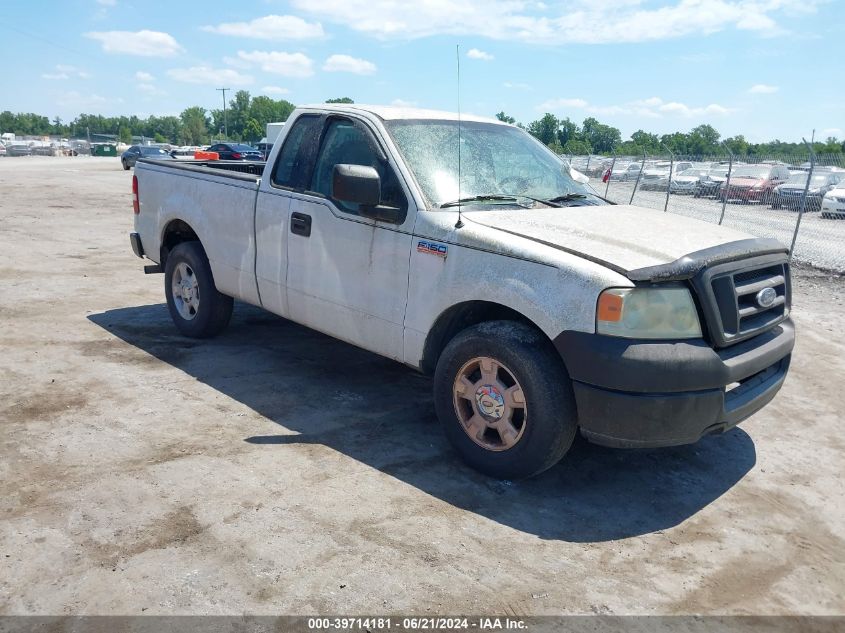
{"points": [[754, 183]]}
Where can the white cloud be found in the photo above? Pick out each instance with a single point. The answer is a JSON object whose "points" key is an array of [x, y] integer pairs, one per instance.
{"points": [[762, 89], [107, 3], [271, 27], [564, 23], [279, 63], [275, 90], [652, 107], [63, 71], [401, 103], [142, 43], [75, 99], [474, 53], [144, 76], [150, 89], [515, 86], [348, 64], [209, 76]]}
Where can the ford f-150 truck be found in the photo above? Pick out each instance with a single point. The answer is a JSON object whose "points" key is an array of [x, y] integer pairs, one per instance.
{"points": [[466, 249]]}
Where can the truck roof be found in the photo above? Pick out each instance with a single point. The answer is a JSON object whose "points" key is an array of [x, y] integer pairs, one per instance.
{"points": [[392, 113]]}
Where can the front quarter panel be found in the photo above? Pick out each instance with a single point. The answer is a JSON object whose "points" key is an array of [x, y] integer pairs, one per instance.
{"points": [[555, 290]]}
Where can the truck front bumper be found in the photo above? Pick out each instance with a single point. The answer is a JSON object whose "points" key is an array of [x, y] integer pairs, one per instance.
{"points": [[639, 393]]}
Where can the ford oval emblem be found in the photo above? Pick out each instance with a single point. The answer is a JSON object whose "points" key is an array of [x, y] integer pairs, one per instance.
{"points": [[766, 297]]}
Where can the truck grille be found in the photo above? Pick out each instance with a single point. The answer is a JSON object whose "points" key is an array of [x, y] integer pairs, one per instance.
{"points": [[730, 296]]}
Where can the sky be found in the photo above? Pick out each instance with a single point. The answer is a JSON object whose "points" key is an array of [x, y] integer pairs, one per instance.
{"points": [[762, 68]]}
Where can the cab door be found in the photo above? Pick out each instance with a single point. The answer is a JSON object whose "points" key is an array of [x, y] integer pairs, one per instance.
{"points": [[347, 275]]}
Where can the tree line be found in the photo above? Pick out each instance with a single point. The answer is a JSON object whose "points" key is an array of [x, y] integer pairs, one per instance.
{"points": [[246, 118], [592, 137]]}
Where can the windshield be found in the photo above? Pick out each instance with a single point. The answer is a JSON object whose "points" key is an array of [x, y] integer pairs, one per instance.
{"points": [[496, 160], [153, 151], [751, 171], [242, 148], [801, 179]]}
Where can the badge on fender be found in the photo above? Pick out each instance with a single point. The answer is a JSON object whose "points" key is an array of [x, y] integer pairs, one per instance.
{"points": [[432, 249]]}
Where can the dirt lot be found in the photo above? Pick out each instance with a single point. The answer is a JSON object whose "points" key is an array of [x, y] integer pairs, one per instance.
{"points": [[275, 470]]}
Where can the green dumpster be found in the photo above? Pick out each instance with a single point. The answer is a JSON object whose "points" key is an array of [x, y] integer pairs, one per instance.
{"points": [[103, 149]]}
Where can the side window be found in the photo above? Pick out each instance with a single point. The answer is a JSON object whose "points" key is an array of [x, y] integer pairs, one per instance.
{"points": [[293, 164], [214, 148], [345, 143]]}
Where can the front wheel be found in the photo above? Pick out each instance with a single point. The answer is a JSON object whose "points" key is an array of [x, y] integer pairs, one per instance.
{"points": [[197, 308], [505, 399], [125, 165]]}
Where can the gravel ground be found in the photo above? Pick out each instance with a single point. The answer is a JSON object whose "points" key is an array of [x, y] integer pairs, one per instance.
{"points": [[275, 470]]}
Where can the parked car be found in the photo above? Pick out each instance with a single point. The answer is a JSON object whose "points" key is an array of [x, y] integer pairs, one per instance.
{"points": [[833, 203], [265, 149], [710, 183], [18, 149], [628, 325], [688, 181], [790, 193], [2, 149], [130, 156], [625, 171], [754, 183], [656, 176], [236, 151]]}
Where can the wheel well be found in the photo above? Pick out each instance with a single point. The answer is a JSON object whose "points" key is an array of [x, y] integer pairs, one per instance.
{"points": [[175, 233], [459, 317]]}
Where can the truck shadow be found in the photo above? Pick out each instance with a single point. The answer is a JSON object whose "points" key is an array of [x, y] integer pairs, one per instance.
{"points": [[381, 413]]}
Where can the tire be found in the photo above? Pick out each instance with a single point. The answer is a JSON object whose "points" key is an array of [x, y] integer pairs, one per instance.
{"points": [[125, 166], [544, 423], [200, 310]]}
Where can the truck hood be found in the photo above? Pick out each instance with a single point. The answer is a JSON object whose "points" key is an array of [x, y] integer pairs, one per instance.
{"points": [[640, 243]]}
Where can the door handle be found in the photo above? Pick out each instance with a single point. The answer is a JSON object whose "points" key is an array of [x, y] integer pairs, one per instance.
{"points": [[300, 224]]}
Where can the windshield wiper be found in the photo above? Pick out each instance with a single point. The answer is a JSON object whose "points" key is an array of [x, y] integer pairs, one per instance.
{"points": [[485, 198], [567, 197]]}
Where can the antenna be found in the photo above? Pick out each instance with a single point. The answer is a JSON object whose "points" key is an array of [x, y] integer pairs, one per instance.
{"points": [[459, 223]]}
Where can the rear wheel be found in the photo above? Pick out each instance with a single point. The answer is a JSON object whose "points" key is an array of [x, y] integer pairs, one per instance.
{"points": [[505, 399], [197, 308]]}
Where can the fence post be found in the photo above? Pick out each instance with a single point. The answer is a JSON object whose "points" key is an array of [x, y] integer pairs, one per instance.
{"points": [[637, 183], [727, 181], [587, 168], [803, 196], [669, 182], [612, 165]]}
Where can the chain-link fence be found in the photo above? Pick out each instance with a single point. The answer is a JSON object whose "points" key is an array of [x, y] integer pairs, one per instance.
{"points": [[796, 199]]}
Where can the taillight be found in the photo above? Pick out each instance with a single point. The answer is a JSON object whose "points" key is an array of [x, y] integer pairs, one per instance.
{"points": [[136, 205], [237, 155]]}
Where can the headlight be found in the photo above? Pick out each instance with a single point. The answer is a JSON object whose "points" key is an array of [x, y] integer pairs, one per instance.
{"points": [[652, 313]]}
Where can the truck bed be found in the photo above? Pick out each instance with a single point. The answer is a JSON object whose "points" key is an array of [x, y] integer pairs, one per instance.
{"points": [[243, 170]]}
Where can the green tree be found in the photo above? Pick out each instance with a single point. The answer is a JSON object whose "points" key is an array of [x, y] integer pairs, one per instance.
{"points": [[340, 100], [194, 126], [568, 131], [577, 148], [545, 128], [602, 138], [125, 135], [505, 118], [253, 132]]}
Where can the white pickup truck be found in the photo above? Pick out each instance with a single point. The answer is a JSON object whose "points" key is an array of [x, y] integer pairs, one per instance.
{"points": [[468, 250]]}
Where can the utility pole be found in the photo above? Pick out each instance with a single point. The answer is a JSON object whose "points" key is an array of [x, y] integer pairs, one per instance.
{"points": [[225, 123]]}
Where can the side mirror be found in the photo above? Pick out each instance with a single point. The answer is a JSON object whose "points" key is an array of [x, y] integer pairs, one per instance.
{"points": [[357, 184], [577, 176]]}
